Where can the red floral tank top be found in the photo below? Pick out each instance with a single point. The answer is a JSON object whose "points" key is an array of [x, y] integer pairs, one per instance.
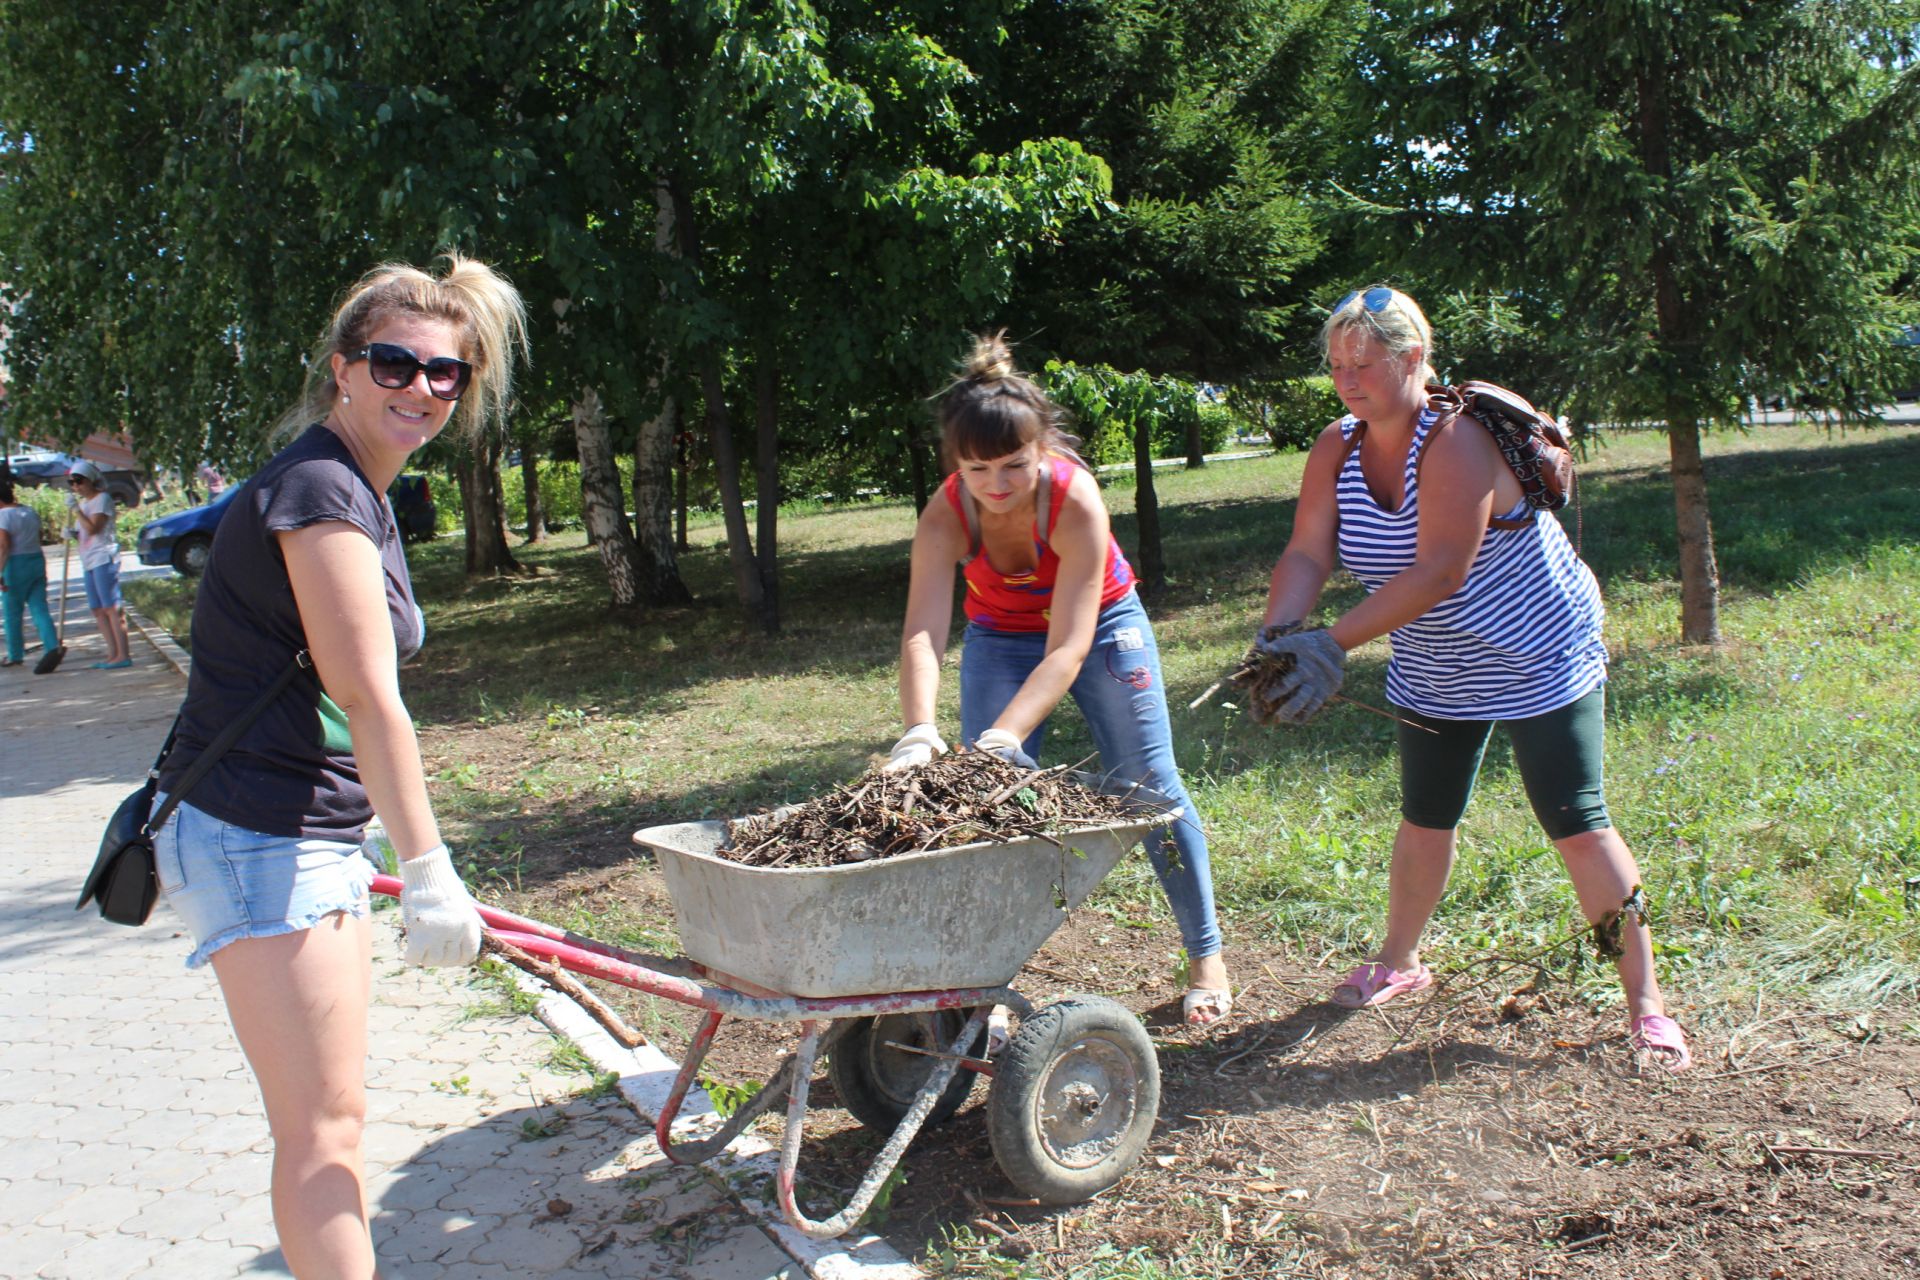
{"points": [[1023, 601]]}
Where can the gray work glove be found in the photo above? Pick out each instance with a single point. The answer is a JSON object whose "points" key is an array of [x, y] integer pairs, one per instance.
{"points": [[443, 924], [1002, 743], [1319, 669], [918, 745]]}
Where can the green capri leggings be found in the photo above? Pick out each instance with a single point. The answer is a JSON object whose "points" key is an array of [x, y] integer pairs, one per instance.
{"points": [[1559, 755]]}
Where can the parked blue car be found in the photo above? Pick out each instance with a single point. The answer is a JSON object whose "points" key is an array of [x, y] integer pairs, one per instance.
{"points": [[184, 538]]}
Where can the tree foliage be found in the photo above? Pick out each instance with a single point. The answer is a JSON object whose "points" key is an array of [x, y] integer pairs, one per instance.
{"points": [[780, 206], [1217, 117], [1665, 209]]}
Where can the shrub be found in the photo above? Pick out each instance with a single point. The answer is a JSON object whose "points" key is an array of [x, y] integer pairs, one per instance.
{"points": [[559, 494], [49, 504], [1292, 411]]}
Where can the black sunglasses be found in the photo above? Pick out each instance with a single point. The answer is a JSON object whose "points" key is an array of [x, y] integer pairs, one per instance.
{"points": [[394, 367]]}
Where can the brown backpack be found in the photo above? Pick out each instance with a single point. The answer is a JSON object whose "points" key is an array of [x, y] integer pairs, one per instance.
{"points": [[1536, 446]]}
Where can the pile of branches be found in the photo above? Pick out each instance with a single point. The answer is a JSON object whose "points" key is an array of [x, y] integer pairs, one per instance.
{"points": [[968, 797]]}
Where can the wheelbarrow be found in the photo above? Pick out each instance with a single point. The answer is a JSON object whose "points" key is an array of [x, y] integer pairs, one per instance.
{"points": [[892, 968]]}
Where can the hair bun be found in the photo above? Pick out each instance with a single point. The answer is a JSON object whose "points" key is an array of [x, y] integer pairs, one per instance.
{"points": [[990, 358]]}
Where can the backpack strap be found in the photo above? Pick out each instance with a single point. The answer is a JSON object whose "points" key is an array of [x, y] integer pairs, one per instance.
{"points": [[1354, 439], [1449, 403]]}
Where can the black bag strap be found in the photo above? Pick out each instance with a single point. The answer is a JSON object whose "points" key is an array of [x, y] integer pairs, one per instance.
{"points": [[302, 660]]}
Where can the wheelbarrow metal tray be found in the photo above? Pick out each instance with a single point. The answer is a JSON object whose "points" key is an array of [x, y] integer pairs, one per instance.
{"points": [[968, 916]]}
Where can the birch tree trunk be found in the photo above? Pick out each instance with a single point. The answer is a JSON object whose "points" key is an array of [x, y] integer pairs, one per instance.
{"points": [[601, 501], [653, 508], [655, 558], [726, 466]]}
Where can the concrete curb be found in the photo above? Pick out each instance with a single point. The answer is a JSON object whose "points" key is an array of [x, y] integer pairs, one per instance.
{"points": [[646, 1080], [162, 640]]}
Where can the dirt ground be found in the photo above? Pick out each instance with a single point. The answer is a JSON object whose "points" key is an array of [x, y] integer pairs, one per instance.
{"points": [[1490, 1131]]}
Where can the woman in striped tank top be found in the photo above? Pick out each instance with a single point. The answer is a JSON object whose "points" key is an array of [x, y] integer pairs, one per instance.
{"points": [[1051, 611], [1491, 617]]}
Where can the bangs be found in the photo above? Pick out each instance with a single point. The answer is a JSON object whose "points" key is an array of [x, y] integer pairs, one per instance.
{"points": [[990, 427]]}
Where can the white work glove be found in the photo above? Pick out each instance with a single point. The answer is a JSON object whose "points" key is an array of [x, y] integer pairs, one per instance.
{"points": [[1002, 743], [443, 925], [917, 745]]}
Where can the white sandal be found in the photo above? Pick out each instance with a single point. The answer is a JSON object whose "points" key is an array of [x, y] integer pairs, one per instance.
{"points": [[1214, 1002]]}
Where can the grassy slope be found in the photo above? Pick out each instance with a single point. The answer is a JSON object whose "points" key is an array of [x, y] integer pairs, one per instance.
{"points": [[1770, 788]]}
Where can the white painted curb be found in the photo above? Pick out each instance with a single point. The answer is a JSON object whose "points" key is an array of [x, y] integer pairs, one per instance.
{"points": [[646, 1080], [161, 639]]}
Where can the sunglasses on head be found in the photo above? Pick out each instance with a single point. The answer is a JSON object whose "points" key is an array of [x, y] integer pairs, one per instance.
{"points": [[394, 367], [1375, 300]]}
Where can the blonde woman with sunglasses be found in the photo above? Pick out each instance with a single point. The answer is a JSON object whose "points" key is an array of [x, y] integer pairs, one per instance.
{"points": [[262, 859]]}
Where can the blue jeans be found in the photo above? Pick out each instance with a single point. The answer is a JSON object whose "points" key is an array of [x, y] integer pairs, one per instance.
{"points": [[229, 883], [1119, 691], [26, 579]]}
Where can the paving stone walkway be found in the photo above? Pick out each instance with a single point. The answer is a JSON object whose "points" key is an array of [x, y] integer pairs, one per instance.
{"points": [[132, 1141]]}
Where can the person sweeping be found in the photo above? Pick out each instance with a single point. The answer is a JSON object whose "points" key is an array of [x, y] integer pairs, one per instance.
{"points": [[1493, 619]]}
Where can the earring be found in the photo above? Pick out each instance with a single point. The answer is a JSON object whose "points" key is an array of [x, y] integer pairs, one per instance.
{"points": [[345, 398]]}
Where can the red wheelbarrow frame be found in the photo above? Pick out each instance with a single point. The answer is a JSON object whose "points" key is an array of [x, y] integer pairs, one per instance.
{"points": [[680, 980]]}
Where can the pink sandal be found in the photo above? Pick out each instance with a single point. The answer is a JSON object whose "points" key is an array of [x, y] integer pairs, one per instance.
{"points": [[1373, 983], [1660, 1038]]}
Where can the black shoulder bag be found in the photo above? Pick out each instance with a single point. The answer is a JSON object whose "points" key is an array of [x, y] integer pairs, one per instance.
{"points": [[123, 880]]}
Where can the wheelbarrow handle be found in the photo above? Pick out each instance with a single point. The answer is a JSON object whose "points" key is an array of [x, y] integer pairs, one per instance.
{"points": [[597, 960], [496, 919]]}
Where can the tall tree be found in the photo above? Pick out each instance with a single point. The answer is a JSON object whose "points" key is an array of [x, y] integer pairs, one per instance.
{"points": [[1690, 203], [1213, 115]]}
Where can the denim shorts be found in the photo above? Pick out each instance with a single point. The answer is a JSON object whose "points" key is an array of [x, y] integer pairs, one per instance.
{"points": [[230, 883], [103, 586]]}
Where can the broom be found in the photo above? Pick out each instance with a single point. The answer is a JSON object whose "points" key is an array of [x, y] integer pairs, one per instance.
{"points": [[51, 658]]}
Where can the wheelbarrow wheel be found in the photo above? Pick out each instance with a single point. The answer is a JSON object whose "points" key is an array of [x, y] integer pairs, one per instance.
{"points": [[1074, 1099], [877, 1083]]}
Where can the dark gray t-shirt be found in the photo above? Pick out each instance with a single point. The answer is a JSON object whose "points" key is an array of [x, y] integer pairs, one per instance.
{"points": [[292, 773]]}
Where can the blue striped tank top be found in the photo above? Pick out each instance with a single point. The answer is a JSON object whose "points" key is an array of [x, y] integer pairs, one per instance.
{"points": [[1521, 637]]}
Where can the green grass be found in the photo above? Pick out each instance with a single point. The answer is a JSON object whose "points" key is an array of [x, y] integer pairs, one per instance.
{"points": [[1768, 787]]}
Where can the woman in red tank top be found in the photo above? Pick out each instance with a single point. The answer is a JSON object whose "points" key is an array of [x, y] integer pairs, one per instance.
{"points": [[1051, 611]]}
